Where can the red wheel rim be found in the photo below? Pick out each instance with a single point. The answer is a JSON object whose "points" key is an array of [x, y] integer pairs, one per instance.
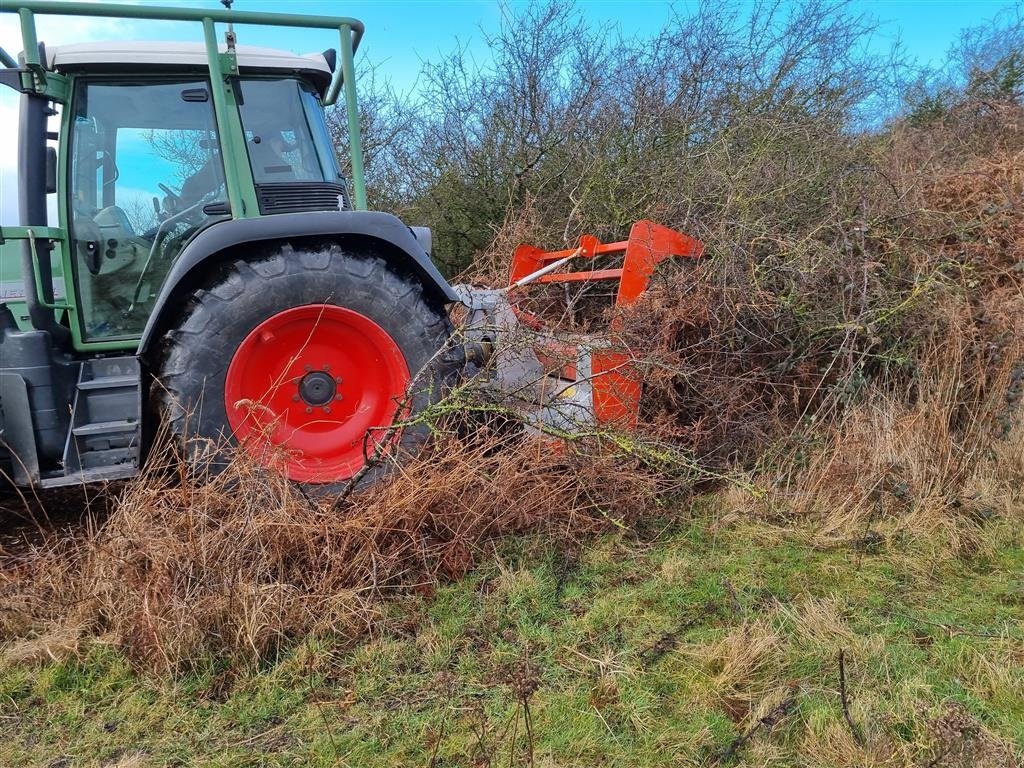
{"points": [[308, 384]]}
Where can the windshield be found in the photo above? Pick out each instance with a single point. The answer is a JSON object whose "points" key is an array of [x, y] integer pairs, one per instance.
{"points": [[285, 133]]}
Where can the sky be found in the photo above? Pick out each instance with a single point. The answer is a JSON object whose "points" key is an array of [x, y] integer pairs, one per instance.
{"points": [[403, 34]]}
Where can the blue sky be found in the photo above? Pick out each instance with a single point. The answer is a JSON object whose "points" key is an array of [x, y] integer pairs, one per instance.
{"points": [[402, 34]]}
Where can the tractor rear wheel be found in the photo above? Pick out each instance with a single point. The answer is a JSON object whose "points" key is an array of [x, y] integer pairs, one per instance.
{"points": [[305, 358]]}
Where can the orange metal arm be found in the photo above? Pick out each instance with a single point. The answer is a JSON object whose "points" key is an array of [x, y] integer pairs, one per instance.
{"points": [[648, 245]]}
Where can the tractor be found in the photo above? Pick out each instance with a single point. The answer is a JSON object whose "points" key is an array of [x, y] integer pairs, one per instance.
{"points": [[190, 257]]}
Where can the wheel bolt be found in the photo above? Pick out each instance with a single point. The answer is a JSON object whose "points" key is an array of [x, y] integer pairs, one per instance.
{"points": [[327, 367], [327, 409], [309, 410], [295, 398], [338, 397], [308, 368], [337, 379]]}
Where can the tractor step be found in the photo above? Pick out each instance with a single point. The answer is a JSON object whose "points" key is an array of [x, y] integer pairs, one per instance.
{"points": [[105, 428], [90, 475], [103, 442], [110, 382]]}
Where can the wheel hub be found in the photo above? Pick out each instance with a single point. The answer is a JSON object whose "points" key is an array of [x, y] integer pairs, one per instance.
{"points": [[317, 388], [282, 391]]}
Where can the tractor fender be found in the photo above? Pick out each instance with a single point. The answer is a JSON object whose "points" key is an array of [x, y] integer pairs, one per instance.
{"points": [[404, 247]]}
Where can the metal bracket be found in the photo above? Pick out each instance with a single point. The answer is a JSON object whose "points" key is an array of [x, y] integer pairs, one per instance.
{"points": [[54, 87], [29, 80], [12, 79], [228, 63]]}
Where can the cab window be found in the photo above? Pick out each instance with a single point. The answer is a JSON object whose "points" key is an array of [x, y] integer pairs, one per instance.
{"points": [[145, 168], [284, 133]]}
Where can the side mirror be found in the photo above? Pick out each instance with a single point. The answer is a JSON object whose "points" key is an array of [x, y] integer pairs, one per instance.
{"points": [[51, 170]]}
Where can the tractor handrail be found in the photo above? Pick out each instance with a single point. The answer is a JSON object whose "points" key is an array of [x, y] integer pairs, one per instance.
{"points": [[350, 32], [165, 13]]}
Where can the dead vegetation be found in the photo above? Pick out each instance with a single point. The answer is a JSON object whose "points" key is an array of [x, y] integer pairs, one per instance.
{"points": [[802, 414], [244, 563], [861, 362]]}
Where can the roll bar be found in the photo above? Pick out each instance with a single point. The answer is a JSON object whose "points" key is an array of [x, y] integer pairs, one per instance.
{"points": [[350, 33]]}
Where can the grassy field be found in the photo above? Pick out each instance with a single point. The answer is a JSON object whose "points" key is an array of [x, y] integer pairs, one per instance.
{"points": [[702, 639]]}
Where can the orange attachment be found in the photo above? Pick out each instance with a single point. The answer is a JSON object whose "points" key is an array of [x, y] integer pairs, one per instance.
{"points": [[615, 382], [648, 245]]}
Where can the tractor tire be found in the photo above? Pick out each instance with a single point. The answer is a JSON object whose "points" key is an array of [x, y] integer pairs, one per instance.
{"points": [[304, 358]]}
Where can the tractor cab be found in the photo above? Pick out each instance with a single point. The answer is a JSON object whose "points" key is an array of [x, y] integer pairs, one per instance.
{"points": [[206, 266], [145, 167]]}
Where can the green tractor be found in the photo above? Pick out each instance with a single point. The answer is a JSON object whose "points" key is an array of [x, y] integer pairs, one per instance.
{"points": [[210, 270], [209, 266]]}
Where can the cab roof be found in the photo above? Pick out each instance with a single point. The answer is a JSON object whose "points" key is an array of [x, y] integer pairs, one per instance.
{"points": [[140, 57]]}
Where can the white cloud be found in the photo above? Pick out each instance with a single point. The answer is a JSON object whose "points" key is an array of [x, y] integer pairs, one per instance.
{"points": [[60, 30], [52, 30], [8, 157]]}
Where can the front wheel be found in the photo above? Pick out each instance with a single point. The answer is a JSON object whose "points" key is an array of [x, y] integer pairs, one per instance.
{"points": [[305, 358]]}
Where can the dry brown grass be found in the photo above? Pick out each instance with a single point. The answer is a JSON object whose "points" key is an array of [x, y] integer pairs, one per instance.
{"points": [[240, 564], [864, 374], [873, 379], [962, 741], [944, 461], [741, 662]]}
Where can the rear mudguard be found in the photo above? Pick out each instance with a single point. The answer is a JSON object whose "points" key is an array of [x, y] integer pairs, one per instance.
{"points": [[395, 241]]}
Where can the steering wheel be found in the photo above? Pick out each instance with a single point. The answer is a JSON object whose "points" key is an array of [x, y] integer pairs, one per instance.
{"points": [[172, 201]]}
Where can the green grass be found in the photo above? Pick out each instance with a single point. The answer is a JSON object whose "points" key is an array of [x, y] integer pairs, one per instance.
{"points": [[633, 650]]}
